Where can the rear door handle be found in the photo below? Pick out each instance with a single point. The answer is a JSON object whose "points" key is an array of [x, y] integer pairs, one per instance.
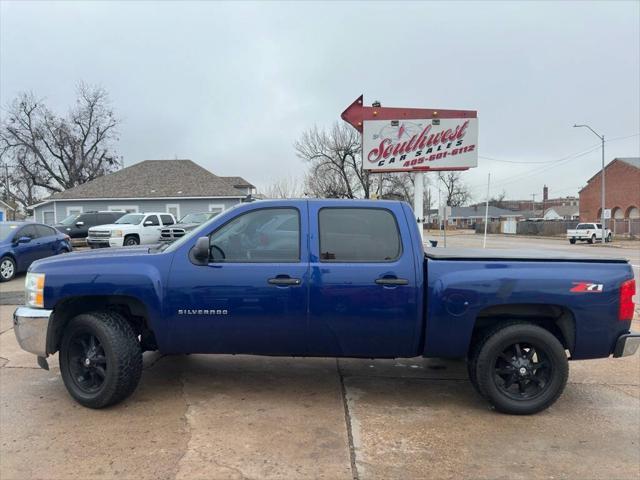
{"points": [[284, 281], [392, 281]]}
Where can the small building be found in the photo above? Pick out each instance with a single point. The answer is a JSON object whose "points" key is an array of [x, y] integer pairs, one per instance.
{"points": [[173, 186], [7, 212], [562, 212], [622, 190], [468, 217]]}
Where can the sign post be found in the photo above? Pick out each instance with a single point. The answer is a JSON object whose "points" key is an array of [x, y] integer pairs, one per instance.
{"points": [[415, 140]]}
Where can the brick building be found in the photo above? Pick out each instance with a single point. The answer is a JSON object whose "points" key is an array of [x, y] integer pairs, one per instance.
{"points": [[622, 183]]}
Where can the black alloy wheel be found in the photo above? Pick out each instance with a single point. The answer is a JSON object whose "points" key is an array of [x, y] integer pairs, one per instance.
{"points": [[522, 371], [87, 361]]}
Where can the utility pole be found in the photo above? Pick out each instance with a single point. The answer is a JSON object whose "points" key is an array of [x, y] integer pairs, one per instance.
{"points": [[486, 212], [533, 203], [602, 206]]}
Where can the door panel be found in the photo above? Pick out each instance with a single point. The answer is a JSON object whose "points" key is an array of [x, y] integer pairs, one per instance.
{"points": [[252, 296], [364, 301]]}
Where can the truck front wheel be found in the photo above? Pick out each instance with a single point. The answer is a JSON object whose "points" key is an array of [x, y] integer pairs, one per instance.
{"points": [[100, 359], [520, 368]]}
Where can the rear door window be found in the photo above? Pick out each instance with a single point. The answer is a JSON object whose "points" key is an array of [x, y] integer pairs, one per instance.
{"points": [[358, 235], [167, 220], [44, 231]]}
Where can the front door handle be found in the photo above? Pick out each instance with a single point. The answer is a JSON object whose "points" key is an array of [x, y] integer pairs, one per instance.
{"points": [[284, 281], [392, 281]]}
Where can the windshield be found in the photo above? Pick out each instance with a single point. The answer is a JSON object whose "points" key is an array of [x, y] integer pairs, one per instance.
{"points": [[198, 217], [70, 220], [7, 229], [199, 231], [131, 219]]}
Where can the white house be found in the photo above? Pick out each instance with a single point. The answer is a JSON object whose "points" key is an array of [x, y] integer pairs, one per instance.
{"points": [[562, 212]]}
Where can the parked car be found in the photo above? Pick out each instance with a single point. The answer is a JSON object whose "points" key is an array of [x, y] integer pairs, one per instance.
{"points": [[588, 232], [77, 225], [186, 224], [130, 230], [327, 278], [22, 243]]}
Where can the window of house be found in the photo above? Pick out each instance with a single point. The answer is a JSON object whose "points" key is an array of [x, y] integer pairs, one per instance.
{"points": [[265, 235], [74, 211], [358, 235], [173, 209]]}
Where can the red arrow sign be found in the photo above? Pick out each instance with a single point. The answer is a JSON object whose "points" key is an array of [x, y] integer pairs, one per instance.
{"points": [[356, 113]]}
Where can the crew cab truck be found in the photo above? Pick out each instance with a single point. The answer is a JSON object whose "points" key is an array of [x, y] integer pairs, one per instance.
{"points": [[130, 230], [588, 232], [326, 278]]}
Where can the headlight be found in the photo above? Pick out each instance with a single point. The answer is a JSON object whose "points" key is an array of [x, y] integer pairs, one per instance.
{"points": [[116, 233], [34, 290]]}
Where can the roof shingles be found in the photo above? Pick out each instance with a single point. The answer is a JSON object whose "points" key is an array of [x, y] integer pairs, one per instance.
{"points": [[156, 179]]}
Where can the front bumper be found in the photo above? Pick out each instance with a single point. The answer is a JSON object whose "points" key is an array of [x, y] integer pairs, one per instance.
{"points": [[627, 344], [31, 326], [105, 242]]}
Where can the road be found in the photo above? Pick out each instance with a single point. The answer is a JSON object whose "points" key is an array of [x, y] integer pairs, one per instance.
{"points": [[237, 417]]}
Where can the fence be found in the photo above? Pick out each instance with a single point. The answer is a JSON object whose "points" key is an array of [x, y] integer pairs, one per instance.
{"points": [[622, 228], [628, 227]]}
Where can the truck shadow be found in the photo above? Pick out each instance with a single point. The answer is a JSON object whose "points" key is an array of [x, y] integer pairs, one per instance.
{"points": [[294, 382]]}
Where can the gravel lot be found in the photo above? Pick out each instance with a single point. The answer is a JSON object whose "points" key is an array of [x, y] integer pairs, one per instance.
{"points": [[219, 417]]}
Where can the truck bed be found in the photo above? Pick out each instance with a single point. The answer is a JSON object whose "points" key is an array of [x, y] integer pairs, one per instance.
{"points": [[515, 255]]}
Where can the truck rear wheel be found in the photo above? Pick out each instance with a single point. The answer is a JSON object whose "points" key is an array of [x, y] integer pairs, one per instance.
{"points": [[520, 368], [100, 359], [572, 241], [592, 239]]}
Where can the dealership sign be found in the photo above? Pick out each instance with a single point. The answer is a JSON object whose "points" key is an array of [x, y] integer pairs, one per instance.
{"points": [[420, 144]]}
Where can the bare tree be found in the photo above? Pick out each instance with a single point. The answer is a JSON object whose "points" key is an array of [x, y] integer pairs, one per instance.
{"points": [[498, 200], [285, 187], [53, 153], [456, 192], [335, 159]]}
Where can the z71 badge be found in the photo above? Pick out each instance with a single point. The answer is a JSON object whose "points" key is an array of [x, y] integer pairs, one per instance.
{"points": [[587, 287]]}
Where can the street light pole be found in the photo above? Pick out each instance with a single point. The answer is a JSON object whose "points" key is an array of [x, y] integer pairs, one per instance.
{"points": [[601, 137]]}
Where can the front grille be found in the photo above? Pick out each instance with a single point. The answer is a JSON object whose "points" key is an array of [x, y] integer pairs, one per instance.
{"points": [[99, 234], [172, 233]]}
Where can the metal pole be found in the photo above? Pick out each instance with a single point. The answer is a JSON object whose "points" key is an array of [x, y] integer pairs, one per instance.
{"points": [[486, 213], [418, 201], [603, 192]]}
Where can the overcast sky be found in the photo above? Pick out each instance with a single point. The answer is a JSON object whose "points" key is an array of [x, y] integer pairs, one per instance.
{"points": [[232, 85]]}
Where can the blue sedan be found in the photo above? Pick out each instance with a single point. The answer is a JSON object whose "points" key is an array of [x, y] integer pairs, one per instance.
{"points": [[22, 243]]}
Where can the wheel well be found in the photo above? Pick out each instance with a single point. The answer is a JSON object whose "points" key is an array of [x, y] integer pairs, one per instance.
{"points": [[557, 319], [132, 235], [131, 308]]}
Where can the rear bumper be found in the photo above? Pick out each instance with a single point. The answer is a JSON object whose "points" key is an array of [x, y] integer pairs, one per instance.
{"points": [[627, 344], [31, 326]]}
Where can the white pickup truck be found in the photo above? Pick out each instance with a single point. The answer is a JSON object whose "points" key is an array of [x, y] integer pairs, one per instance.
{"points": [[588, 232], [129, 230]]}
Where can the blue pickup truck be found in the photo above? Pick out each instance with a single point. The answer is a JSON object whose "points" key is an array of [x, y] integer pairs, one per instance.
{"points": [[326, 278]]}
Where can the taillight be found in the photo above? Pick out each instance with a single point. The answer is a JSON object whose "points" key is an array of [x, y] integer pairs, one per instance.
{"points": [[627, 291]]}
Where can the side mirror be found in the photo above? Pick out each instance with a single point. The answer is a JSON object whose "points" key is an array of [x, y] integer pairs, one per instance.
{"points": [[199, 253], [24, 240], [148, 223], [79, 224]]}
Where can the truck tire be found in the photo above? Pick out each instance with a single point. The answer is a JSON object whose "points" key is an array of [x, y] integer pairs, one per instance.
{"points": [[592, 239], [608, 238], [100, 359], [521, 368], [131, 241], [572, 241]]}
